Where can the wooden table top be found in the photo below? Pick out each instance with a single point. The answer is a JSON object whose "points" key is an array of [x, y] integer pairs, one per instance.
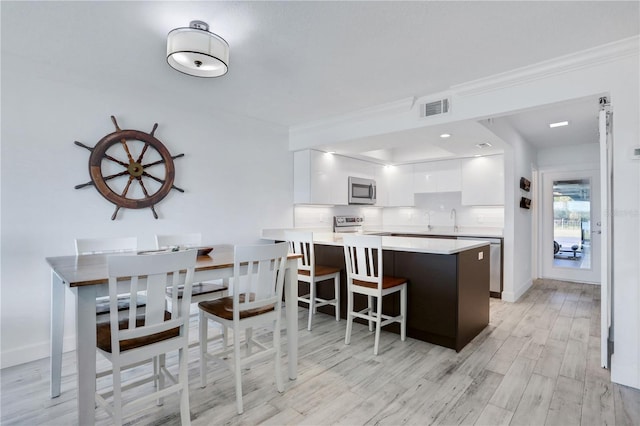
{"points": [[92, 269]]}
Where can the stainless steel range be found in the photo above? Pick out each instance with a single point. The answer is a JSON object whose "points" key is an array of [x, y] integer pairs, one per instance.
{"points": [[347, 224]]}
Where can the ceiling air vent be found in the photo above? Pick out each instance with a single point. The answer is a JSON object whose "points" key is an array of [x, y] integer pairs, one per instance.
{"points": [[440, 106]]}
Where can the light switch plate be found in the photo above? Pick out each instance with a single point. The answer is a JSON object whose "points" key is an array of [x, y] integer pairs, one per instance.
{"points": [[480, 255]]}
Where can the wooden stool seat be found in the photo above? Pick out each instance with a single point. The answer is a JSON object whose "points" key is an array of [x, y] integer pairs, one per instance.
{"points": [[223, 308], [387, 282], [103, 332]]}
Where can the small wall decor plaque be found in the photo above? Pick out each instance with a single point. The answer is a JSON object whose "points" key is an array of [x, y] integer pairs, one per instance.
{"points": [[525, 184], [525, 203]]}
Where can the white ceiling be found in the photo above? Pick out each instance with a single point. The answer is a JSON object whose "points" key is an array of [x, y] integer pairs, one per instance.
{"points": [[297, 62]]}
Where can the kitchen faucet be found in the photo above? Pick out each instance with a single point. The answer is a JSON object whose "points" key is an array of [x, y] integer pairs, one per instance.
{"points": [[455, 220], [428, 215]]}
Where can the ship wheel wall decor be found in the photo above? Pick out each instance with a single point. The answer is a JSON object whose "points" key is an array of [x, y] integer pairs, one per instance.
{"points": [[131, 182]]}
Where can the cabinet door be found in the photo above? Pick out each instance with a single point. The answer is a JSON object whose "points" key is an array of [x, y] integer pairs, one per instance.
{"points": [[322, 178], [437, 176], [425, 177], [449, 176], [399, 186], [483, 181]]}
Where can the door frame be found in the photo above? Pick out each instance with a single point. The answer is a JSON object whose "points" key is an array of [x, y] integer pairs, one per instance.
{"points": [[566, 274]]}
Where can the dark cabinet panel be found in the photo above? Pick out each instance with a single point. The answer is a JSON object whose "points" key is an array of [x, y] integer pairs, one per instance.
{"points": [[432, 291], [448, 295]]}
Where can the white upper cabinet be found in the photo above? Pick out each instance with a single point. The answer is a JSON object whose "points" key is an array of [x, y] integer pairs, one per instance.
{"points": [[395, 186], [437, 176], [483, 181], [321, 178]]}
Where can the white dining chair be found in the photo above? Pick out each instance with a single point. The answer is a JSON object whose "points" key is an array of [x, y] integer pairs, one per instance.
{"points": [[191, 240], [301, 242], [257, 286], [88, 246], [202, 290], [140, 338], [363, 258]]}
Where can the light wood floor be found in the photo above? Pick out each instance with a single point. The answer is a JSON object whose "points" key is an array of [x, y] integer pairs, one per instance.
{"points": [[536, 363]]}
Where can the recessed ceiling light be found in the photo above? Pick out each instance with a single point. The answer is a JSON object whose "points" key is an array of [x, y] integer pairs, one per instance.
{"points": [[331, 152], [559, 124], [445, 135], [484, 145]]}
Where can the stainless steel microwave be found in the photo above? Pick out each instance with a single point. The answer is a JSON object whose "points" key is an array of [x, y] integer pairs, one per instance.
{"points": [[362, 191]]}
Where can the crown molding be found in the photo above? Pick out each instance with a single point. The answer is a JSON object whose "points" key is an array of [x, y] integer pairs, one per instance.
{"points": [[609, 52], [400, 106], [584, 59]]}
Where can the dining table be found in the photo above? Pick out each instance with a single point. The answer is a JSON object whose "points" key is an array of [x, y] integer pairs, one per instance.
{"points": [[87, 277]]}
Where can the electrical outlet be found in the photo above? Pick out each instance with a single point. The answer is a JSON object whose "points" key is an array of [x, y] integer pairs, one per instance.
{"points": [[480, 255]]}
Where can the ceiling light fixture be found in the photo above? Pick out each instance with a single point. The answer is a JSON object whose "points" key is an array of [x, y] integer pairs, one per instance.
{"points": [[196, 51], [559, 124], [445, 135]]}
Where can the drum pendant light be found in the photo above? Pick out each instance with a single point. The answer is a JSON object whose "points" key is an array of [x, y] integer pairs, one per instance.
{"points": [[196, 51]]}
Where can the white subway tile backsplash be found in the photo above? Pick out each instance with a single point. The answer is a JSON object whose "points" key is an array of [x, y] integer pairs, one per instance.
{"points": [[434, 209]]}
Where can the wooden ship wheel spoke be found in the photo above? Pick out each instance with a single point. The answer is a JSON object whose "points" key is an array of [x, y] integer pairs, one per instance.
{"points": [[134, 169]]}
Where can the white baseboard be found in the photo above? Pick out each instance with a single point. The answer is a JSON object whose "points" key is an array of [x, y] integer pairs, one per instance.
{"points": [[24, 354], [512, 296]]}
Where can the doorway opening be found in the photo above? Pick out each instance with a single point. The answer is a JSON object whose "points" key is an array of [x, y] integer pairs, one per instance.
{"points": [[572, 223]]}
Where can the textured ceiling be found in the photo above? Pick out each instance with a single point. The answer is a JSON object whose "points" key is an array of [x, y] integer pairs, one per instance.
{"points": [[296, 62]]}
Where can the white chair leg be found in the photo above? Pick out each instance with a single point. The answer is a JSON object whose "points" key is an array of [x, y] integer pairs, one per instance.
{"points": [[278, 357], [185, 415], [203, 325], [403, 312], [312, 303], [378, 325], [161, 365], [225, 336], [370, 305], [347, 337], [117, 395], [238, 373], [336, 285], [248, 334]]}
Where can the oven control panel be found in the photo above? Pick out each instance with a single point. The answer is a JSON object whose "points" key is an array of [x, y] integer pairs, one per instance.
{"points": [[347, 223]]}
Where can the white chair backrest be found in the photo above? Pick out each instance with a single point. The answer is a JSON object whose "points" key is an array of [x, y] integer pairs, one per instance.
{"points": [[105, 245], [258, 277], [150, 273], [181, 240], [301, 242], [361, 261]]}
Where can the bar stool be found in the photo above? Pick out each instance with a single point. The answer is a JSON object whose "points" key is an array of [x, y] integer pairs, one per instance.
{"points": [[301, 242], [365, 276]]}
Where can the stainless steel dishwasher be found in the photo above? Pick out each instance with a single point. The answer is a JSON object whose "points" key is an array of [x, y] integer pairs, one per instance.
{"points": [[495, 263]]}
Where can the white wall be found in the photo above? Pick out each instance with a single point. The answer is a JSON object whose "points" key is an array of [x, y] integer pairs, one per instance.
{"points": [[237, 173], [612, 69], [561, 156], [519, 162]]}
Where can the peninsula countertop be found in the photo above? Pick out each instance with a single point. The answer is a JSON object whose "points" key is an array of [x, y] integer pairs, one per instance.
{"points": [[408, 244]]}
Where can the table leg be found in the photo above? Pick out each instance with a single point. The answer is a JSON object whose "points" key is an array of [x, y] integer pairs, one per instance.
{"points": [[291, 306], [86, 352], [57, 334]]}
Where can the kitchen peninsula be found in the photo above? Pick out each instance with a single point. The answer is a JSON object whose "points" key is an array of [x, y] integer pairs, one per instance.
{"points": [[448, 292]]}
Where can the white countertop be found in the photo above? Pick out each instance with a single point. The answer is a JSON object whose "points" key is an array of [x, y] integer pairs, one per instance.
{"points": [[463, 231], [410, 244]]}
